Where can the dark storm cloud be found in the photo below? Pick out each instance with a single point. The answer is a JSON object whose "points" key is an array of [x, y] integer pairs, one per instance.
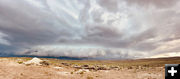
{"points": [[121, 28], [30, 25]]}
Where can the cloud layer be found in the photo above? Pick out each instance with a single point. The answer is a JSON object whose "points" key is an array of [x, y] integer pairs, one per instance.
{"points": [[92, 28]]}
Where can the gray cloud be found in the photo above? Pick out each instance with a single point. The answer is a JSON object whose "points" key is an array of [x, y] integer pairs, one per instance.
{"points": [[116, 28], [156, 3]]}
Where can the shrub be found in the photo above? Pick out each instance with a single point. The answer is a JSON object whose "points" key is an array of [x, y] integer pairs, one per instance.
{"points": [[81, 72], [45, 63], [89, 77], [20, 62]]}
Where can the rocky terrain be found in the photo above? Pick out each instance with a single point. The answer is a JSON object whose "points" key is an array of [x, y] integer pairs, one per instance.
{"points": [[35, 68]]}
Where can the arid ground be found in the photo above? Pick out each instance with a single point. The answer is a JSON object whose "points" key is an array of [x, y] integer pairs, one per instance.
{"points": [[15, 68]]}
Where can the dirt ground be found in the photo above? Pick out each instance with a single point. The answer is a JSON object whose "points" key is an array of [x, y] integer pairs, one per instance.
{"points": [[10, 69]]}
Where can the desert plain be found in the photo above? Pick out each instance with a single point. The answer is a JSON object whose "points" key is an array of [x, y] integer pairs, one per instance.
{"points": [[44, 68]]}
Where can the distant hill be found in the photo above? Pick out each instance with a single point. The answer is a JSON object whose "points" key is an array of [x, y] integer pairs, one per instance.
{"points": [[60, 57]]}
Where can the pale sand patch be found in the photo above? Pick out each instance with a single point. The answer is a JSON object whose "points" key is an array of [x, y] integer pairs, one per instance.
{"points": [[58, 68], [35, 61], [64, 73]]}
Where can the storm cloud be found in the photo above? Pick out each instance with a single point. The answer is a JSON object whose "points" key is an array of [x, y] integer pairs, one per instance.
{"points": [[109, 29]]}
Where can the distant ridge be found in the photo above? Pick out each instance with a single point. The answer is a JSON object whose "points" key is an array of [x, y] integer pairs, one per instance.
{"points": [[60, 57]]}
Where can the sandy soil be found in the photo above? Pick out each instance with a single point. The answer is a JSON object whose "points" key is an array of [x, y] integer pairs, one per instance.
{"points": [[10, 69]]}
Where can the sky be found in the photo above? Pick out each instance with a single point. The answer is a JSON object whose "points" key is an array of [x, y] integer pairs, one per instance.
{"points": [[104, 29]]}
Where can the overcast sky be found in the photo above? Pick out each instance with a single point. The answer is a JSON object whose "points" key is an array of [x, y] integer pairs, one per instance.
{"points": [[109, 29]]}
